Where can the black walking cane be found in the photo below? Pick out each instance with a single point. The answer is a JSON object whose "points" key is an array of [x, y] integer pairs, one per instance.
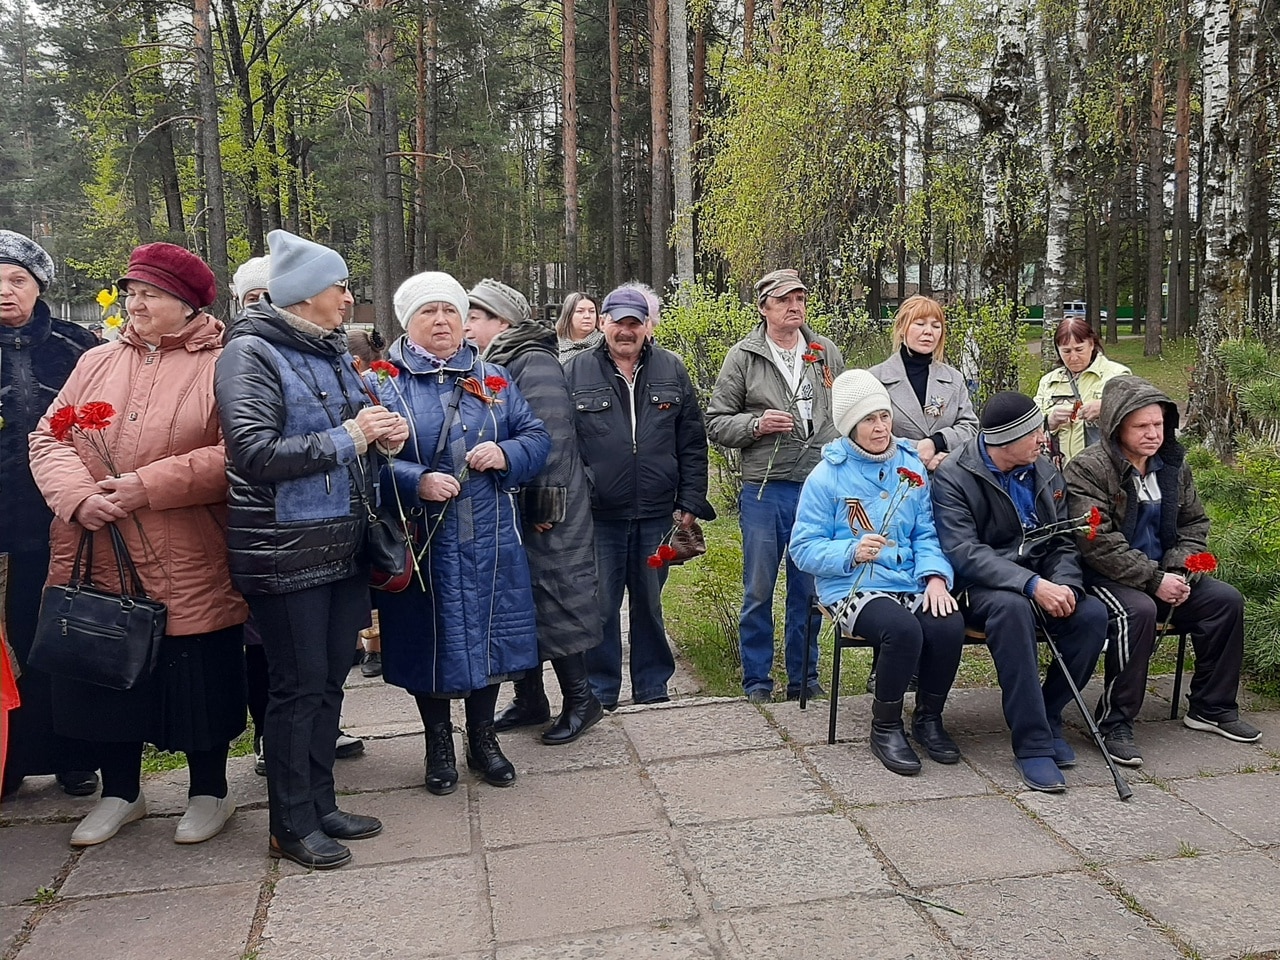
{"points": [[1122, 785]]}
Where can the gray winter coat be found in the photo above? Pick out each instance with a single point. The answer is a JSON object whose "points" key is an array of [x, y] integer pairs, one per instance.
{"points": [[562, 564], [1100, 476], [949, 409], [750, 383]]}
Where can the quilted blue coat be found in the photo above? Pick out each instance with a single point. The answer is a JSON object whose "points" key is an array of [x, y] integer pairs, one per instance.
{"points": [[845, 497], [474, 624]]}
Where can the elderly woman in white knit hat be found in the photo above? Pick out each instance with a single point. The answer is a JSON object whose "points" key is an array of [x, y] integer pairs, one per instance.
{"points": [[466, 623], [299, 429], [864, 528], [555, 507]]}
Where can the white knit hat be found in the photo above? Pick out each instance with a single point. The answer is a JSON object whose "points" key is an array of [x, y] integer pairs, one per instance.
{"points": [[854, 395], [430, 287], [252, 275]]}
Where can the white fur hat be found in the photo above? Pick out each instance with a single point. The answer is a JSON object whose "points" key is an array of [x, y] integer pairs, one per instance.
{"points": [[854, 395], [430, 287], [252, 275]]}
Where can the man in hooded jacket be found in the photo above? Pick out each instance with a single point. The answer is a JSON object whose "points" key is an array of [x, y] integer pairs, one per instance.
{"points": [[1137, 565]]}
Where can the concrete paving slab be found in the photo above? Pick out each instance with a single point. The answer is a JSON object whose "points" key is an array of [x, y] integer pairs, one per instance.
{"points": [[694, 731], [416, 825], [1171, 751], [1155, 706], [661, 943], [1244, 803], [760, 863], [562, 806], [1162, 686], [31, 856], [869, 929], [992, 756], [40, 798], [809, 726], [11, 921], [1222, 904], [859, 778], [166, 792], [1066, 917], [143, 856], [204, 923], [933, 842], [604, 745], [1150, 825], [564, 889], [971, 712], [391, 764], [381, 710], [422, 909], [737, 786]]}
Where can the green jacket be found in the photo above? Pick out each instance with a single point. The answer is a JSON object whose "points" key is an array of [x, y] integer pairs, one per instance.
{"points": [[750, 383], [1101, 477], [1055, 388]]}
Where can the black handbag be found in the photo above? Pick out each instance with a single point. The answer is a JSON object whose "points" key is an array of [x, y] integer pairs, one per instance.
{"points": [[95, 636]]}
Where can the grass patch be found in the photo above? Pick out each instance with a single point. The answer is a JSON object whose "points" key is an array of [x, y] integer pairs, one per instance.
{"points": [[158, 761]]}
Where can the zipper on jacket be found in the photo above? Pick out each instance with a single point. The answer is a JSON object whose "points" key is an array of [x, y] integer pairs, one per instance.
{"points": [[631, 391]]}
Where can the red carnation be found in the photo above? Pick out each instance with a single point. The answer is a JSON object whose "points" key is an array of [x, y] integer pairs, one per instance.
{"points": [[384, 370], [910, 477], [1199, 563], [96, 415], [815, 347], [810, 357], [496, 383], [666, 552], [61, 423], [1095, 521], [654, 561]]}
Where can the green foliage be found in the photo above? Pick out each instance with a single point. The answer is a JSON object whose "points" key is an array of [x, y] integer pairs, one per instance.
{"points": [[986, 341], [701, 604]]}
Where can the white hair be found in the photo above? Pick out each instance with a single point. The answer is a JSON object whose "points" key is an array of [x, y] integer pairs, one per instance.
{"points": [[651, 297]]}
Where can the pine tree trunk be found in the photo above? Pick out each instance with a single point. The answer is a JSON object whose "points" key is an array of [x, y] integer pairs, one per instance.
{"points": [[617, 233], [928, 124], [569, 133], [660, 159], [999, 128], [748, 27], [682, 151], [380, 254], [211, 150], [239, 68], [1115, 224], [1155, 197]]}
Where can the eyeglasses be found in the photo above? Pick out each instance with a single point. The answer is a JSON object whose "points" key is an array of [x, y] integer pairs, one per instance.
{"points": [[342, 284]]}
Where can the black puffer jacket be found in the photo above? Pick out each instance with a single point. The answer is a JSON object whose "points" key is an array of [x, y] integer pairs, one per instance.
{"points": [[648, 465], [35, 361], [295, 518]]}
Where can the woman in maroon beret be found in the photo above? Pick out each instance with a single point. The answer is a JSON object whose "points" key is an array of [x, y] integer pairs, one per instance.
{"points": [[164, 486]]}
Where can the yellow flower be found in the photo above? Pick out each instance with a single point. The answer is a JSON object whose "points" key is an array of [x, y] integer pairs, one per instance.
{"points": [[108, 298], [114, 322]]}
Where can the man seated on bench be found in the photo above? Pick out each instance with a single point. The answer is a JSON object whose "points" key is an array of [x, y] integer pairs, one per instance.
{"points": [[989, 498], [864, 529], [1152, 521]]}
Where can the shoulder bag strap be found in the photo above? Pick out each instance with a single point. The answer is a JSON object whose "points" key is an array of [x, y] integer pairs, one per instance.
{"points": [[449, 417]]}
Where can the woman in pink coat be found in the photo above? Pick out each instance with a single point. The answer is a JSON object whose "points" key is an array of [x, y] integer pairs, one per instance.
{"points": [[165, 489]]}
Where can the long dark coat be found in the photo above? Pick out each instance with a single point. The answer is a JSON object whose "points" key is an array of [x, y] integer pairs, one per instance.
{"points": [[562, 562]]}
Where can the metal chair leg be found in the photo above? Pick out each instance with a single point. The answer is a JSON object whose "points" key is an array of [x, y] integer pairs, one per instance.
{"points": [[837, 647], [804, 659], [1177, 675]]}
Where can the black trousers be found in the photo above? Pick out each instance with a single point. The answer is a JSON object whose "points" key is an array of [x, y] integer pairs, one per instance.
{"points": [[308, 636], [907, 641], [1034, 711], [1213, 616]]}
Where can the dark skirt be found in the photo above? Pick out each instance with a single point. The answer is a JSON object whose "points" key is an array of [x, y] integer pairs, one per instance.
{"points": [[194, 701]]}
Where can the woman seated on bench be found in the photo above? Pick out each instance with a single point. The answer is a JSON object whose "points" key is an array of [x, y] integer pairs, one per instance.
{"points": [[864, 529]]}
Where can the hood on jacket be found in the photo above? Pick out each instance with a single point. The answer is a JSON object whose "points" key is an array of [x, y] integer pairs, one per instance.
{"points": [[523, 337], [1122, 396], [204, 332], [263, 320]]}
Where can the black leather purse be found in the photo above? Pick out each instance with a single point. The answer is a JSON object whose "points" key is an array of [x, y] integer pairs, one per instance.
{"points": [[95, 636]]}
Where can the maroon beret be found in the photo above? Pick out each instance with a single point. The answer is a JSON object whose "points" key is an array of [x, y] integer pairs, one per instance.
{"points": [[174, 270]]}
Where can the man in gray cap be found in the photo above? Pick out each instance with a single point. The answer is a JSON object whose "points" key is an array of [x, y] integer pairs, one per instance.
{"points": [[644, 443], [992, 499], [37, 354], [772, 401]]}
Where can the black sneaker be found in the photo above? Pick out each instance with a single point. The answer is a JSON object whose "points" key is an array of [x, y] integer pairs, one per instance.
{"points": [[347, 746], [1121, 747], [815, 692], [1236, 730], [371, 665], [759, 695], [78, 783], [259, 757]]}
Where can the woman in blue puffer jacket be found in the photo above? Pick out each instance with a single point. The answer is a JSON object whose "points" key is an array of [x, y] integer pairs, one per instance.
{"points": [[468, 623], [864, 529]]}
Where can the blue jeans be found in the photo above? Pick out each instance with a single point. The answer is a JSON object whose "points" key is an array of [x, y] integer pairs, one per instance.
{"points": [[622, 551], [766, 532]]}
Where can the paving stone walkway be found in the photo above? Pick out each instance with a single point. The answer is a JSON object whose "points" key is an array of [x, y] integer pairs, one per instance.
{"points": [[698, 829]]}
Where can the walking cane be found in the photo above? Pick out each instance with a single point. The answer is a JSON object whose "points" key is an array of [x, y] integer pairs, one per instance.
{"points": [[1122, 785]]}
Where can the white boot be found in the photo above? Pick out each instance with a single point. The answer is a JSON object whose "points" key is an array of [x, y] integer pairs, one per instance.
{"points": [[205, 818], [106, 818]]}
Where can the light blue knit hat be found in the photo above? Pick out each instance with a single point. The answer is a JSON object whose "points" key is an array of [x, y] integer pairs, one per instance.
{"points": [[300, 268]]}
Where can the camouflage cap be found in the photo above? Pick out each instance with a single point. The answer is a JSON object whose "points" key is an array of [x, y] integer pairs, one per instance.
{"points": [[778, 284]]}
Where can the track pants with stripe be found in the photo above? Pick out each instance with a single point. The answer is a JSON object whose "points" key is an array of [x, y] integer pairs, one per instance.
{"points": [[1213, 616]]}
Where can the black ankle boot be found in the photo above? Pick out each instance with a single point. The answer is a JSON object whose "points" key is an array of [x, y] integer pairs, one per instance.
{"points": [[926, 727], [581, 708], [889, 739], [442, 765], [484, 756], [529, 708]]}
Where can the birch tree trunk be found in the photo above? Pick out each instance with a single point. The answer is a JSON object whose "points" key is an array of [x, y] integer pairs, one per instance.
{"points": [[617, 233], [1226, 65], [379, 221], [569, 138], [999, 127], [681, 148], [211, 150], [660, 159], [1155, 196]]}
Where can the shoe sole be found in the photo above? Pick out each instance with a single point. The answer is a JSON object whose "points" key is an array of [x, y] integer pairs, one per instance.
{"points": [[1195, 723], [441, 791], [583, 729], [86, 789], [202, 839], [1125, 761], [349, 751], [902, 771], [1040, 787], [370, 673], [278, 854], [368, 834], [123, 823], [493, 783]]}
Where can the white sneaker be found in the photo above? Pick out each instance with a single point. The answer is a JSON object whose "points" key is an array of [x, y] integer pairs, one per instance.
{"points": [[106, 819], [205, 818]]}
